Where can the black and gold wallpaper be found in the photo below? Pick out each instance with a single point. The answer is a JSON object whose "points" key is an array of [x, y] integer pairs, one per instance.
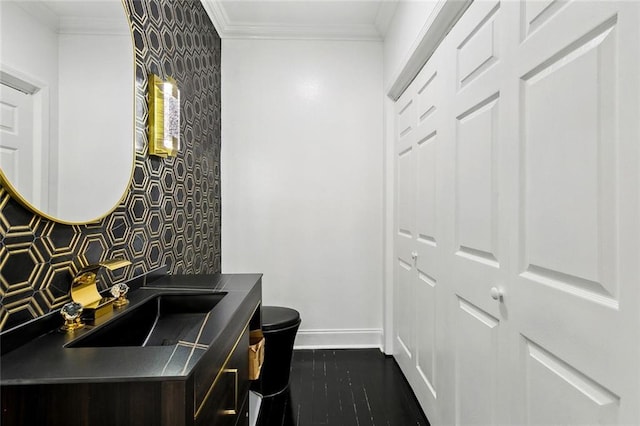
{"points": [[171, 215]]}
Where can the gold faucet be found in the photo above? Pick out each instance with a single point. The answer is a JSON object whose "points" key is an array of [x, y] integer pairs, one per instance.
{"points": [[84, 288]]}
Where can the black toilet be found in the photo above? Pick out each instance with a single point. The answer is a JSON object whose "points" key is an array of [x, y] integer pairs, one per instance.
{"points": [[279, 326]]}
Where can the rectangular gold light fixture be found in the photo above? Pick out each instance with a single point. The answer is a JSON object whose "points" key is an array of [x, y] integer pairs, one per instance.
{"points": [[164, 117]]}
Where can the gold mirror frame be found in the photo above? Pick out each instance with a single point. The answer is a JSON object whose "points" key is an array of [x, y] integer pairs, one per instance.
{"points": [[13, 191]]}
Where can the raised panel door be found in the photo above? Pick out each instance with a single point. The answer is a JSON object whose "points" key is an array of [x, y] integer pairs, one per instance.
{"points": [[418, 294], [477, 207], [518, 180], [574, 296], [17, 139]]}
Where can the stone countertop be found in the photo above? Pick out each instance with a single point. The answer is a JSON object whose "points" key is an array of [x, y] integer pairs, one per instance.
{"points": [[45, 359]]}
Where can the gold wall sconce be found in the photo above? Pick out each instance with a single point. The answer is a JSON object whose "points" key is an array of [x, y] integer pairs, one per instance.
{"points": [[164, 117]]}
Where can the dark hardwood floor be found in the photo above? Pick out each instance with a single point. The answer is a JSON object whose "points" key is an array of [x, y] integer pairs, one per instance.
{"points": [[359, 387]]}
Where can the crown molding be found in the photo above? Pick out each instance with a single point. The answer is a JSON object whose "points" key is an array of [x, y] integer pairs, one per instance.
{"points": [[247, 30], [42, 13], [386, 10], [75, 25], [289, 32], [440, 21], [217, 15], [93, 26]]}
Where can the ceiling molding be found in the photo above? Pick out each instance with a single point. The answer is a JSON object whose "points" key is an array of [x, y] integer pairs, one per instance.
{"points": [[440, 21], [40, 12], [217, 15], [93, 26], [386, 10], [249, 30], [75, 24], [288, 32]]}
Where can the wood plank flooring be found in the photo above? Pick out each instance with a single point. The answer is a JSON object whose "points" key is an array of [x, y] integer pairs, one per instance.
{"points": [[355, 387]]}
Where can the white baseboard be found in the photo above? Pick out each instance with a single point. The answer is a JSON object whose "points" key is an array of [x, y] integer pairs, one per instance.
{"points": [[339, 339]]}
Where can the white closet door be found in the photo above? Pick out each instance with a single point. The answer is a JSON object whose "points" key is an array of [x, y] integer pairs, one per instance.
{"points": [[418, 263], [517, 204], [404, 292], [574, 298], [476, 177]]}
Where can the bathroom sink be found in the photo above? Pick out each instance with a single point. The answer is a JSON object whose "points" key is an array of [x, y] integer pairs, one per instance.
{"points": [[161, 321]]}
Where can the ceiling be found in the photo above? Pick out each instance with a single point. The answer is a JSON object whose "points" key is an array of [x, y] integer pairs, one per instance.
{"points": [[79, 17], [301, 19]]}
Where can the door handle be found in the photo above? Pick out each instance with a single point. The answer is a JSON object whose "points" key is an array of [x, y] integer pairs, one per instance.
{"points": [[497, 293], [414, 255]]}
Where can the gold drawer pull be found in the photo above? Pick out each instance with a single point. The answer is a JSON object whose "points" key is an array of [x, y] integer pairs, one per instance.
{"points": [[233, 411]]}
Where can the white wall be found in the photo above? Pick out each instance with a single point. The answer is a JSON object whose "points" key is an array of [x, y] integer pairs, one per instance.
{"points": [[302, 157]]}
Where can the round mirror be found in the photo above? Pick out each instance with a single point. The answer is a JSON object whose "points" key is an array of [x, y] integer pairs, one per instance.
{"points": [[66, 106]]}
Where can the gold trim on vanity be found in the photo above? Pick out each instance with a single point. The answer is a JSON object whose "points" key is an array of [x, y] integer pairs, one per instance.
{"points": [[225, 370]]}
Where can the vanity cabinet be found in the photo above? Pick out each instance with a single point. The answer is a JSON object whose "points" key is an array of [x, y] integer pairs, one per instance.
{"points": [[222, 400], [215, 394], [200, 379]]}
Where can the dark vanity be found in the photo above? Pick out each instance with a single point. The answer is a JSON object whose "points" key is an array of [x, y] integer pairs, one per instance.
{"points": [[177, 354]]}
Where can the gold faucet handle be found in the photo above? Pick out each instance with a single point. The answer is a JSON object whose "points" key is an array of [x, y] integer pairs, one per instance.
{"points": [[71, 313], [119, 291]]}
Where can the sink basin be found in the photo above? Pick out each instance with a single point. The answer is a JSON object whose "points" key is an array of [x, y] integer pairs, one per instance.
{"points": [[161, 321]]}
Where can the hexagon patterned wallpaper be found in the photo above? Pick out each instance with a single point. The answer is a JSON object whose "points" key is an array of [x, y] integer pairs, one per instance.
{"points": [[171, 215]]}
